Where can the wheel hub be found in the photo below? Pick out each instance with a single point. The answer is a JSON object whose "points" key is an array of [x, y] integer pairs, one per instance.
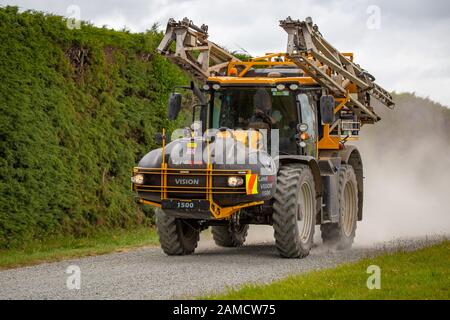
{"points": [[349, 209], [305, 212]]}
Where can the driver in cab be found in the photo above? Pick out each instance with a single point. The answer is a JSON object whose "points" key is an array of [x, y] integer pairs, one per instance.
{"points": [[261, 118]]}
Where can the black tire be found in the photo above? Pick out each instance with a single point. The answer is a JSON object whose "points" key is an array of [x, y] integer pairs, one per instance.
{"points": [[294, 201], [230, 236], [176, 236], [341, 235]]}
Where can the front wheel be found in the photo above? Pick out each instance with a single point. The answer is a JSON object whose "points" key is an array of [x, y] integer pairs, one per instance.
{"points": [[176, 236], [230, 236], [294, 216]]}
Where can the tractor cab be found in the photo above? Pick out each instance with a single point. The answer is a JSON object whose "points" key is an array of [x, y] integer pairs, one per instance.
{"points": [[279, 111]]}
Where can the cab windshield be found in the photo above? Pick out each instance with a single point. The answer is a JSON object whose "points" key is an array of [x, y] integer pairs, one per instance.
{"points": [[258, 108]]}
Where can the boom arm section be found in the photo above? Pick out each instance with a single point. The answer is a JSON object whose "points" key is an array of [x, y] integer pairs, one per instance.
{"points": [[194, 53], [332, 69]]}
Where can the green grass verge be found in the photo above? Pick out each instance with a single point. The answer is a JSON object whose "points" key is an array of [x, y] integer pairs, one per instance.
{"points": [[422, 274], [65, 247]]}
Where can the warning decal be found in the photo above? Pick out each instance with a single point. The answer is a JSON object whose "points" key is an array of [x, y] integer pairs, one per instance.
{"points": [[251, 181]]}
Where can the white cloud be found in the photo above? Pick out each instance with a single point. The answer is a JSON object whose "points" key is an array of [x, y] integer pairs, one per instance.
{"points": [[408, 53]]}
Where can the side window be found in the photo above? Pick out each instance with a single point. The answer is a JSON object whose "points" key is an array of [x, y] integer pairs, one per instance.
{"points": [[285, 117], [216, 112], [308, 116], [222, 111]]}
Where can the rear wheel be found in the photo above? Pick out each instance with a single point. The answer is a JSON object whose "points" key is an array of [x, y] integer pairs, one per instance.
{"points": [[230, 236], [176, 236], [341, 235], [294, 216]]}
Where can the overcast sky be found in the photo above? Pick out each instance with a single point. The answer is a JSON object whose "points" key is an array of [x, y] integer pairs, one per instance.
{"points": [[405, 44]]}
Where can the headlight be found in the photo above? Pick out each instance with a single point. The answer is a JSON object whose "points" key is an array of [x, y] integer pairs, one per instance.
{"points": [[281, 87], [302, 127], [235, 181], [216, 86], [302, 144], [138, 178]]}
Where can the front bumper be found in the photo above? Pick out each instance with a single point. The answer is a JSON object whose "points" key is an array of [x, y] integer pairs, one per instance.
{"points": [[197, 192]]}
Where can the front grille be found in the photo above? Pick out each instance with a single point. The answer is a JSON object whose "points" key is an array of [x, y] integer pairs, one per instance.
{"points": [[177, 183]]}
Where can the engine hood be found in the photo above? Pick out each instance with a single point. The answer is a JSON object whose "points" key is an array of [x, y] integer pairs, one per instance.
{"points": [[222, 152]]}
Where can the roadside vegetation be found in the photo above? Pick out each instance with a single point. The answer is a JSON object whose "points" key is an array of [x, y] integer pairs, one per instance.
{"points": [[78, 108], [65, 247], [422, 274]]}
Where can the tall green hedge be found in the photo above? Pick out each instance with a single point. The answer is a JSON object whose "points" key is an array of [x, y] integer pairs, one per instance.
{"points": [[78, 108]]}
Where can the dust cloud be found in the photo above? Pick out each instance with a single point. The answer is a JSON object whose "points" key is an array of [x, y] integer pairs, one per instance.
{"points": [[406, 160]]}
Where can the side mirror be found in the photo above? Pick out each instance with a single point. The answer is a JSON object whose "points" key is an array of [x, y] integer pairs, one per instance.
{"points": [[174, 105], [327, 109]]}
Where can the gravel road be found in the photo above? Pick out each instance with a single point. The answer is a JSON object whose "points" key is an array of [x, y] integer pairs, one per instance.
{"points": [[148, 274]]}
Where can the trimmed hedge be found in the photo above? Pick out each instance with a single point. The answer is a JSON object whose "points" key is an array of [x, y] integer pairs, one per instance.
{"points": [[78, 108]]}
